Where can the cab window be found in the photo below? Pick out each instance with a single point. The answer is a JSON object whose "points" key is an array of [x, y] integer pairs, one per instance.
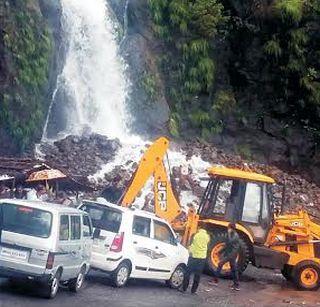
{"points": [[223, 196], [163, 233], [75, 228], [141, 226], [252, 203], [64, 228], [86, 226]]}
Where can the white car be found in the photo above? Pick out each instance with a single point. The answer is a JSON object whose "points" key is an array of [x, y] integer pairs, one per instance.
{"points": [[131, 243]]}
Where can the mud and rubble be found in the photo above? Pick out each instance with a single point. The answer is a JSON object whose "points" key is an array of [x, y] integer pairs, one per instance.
{"points": [[80, 156], [84, 156]]}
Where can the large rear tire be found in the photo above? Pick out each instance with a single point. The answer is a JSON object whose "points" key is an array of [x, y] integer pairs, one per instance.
{"points": [[217, 243]]}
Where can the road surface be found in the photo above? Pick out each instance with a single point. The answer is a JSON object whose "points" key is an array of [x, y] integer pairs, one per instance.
{"points": [[258, 288]]}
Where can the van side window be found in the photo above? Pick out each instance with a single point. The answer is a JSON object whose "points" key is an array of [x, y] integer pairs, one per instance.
{"points": [[87, 228], [75, 227], [64, 228], [141, 226], [163, 233]]}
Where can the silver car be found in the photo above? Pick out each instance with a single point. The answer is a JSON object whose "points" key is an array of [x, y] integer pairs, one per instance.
{"points": [[45, 243]]}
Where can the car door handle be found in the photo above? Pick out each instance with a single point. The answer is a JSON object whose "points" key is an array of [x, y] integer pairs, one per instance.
{"points": [[73, 253], [156, 247], [135, 242]]}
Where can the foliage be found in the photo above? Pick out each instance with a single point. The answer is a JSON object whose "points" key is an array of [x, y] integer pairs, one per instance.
{"points": [[174, 123], [290, 9], [272, 66], [149, 84], [189, 28], [244, 151], [27, 44]]}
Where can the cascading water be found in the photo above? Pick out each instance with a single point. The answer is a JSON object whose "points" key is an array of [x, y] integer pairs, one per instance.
{"points": [[92, 87]]}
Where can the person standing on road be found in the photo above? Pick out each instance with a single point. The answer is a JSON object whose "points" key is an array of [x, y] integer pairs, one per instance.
{"points": [[197, 259], [230, 253]]}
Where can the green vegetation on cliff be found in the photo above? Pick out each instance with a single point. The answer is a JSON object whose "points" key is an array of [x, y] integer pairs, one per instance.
{"points": [[26, 47], [240, 59]]}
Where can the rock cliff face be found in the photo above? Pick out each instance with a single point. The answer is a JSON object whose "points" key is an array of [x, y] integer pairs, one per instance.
{"points": [[28, 65], [139, 47]]}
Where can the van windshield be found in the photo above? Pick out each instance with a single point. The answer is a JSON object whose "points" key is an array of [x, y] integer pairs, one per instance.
{"points": [[26, 220], [102, 217]]}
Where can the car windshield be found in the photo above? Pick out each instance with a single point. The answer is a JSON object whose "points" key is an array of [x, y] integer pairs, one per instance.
{"points": [[26, 220], [102, 217]]}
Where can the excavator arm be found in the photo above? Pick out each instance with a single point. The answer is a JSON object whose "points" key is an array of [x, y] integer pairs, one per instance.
{"points": [[152, 164], [166, 204]]}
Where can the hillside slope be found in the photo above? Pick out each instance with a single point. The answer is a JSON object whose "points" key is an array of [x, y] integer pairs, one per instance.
{"points": [[27, 50]]}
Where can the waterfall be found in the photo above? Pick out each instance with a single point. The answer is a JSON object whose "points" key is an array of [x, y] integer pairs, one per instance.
{"points": [[92, 87], [125, 19]]}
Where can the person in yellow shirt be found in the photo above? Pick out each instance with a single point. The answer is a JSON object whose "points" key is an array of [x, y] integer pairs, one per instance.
{"points": [[198, 253]]}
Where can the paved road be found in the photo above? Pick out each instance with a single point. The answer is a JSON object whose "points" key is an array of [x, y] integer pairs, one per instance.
{"points": [[258, 288]]}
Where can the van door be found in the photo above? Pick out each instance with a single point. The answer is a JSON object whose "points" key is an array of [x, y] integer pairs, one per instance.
{"points": [[87, 238], [142, 245], [70, 249], [76, 244], [164, 243], [63, 257]]}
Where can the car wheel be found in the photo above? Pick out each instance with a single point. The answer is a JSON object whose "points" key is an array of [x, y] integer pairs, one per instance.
{"points": [[177, 277], [121, 275], [306, 275], [50, 291], [76, 284]]}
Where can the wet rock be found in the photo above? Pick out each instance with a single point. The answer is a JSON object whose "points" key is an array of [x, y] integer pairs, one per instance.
{"points": [[81, 156]]}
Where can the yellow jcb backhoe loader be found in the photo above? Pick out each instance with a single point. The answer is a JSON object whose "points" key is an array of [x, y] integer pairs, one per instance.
{"points": [[287, 242]]}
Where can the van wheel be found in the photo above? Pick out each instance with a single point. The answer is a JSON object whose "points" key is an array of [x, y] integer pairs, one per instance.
{"points": [[177, 277], [306, 275], [121, 275], [50, 290], [76, 284], [217, 243]]}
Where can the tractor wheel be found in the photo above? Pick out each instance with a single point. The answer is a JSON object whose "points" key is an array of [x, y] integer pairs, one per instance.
{"points": [[306, 275], [213, 259], [287, 272]]}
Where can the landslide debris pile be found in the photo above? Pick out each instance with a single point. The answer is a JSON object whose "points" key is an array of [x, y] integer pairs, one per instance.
{"points": [[84, 156], [80, 156], [299, 192]]}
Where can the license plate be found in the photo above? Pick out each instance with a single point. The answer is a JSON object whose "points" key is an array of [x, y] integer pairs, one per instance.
{"points": [[13, 253]]}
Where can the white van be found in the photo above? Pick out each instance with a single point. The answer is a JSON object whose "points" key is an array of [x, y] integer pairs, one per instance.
{"points": [[130, 243], [45, 243]]}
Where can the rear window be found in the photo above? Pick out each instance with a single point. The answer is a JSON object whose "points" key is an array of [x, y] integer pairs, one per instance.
{"points": [[26, 220], [103, 217]]}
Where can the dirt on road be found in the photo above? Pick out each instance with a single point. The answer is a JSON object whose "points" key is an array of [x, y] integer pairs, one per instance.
{"points": [[258, 288]]}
